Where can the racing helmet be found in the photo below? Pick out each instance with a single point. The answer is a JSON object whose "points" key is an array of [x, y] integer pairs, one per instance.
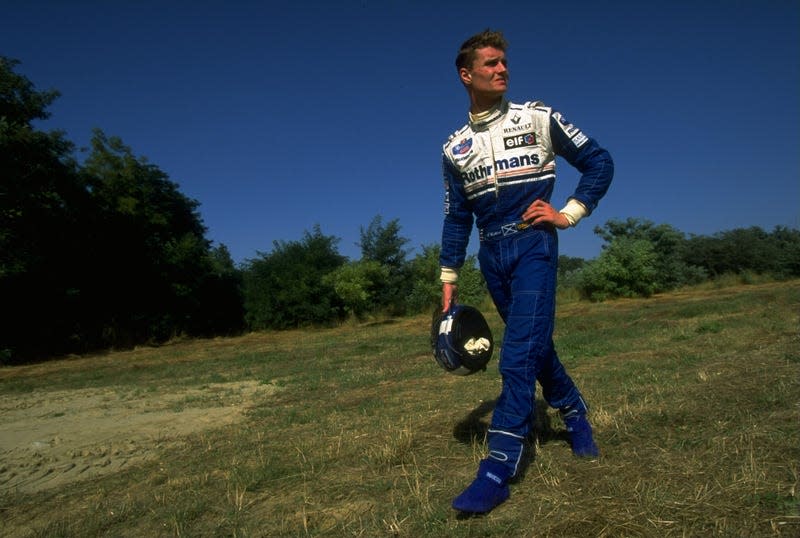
{"points": [[461, 340]]}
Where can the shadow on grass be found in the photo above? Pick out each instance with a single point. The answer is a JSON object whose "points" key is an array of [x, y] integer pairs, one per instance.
{"points": [[474, 427]]}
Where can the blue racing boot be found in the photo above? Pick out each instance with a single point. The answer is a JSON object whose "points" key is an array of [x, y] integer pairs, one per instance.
{"points": [[488, 490], [580, 436]]}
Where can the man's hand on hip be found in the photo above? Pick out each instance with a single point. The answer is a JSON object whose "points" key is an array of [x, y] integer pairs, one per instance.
{"points": [[540, 212]]}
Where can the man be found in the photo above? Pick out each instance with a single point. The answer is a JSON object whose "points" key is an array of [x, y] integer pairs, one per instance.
{"points": [[499, 169]]}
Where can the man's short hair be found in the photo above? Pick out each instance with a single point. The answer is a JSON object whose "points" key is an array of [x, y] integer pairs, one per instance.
{"points": [[487, 38]]}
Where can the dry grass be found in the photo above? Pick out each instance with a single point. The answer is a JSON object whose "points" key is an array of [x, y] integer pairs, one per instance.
{"points": [[694, 400]]}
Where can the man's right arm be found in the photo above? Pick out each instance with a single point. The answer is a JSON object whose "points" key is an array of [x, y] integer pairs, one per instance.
{"points": [[456, 230]]}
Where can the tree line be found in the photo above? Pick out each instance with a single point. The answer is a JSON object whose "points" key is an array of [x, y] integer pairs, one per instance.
{"points": [[108, 253], [640, 258]]}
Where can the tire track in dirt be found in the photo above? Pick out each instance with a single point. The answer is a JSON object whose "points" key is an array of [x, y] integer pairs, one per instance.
{"points": [[51, 438]]}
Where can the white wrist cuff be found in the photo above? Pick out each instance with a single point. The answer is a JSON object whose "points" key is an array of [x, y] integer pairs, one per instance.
{"points": [[449, 275], [574, 211]]}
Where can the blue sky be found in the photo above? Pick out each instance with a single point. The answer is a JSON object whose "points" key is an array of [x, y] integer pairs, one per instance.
{"points": [[278, 116]]}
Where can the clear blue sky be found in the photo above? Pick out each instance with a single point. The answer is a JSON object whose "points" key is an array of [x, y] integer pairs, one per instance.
{"points": [[279, 118]]}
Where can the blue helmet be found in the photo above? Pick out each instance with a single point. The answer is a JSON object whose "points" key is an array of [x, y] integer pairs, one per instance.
{"points": [[461, 340]]}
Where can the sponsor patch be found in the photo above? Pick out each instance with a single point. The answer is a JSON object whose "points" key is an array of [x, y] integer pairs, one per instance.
{"points": [[508, 129], [580, 139], [520, 141], [462, 147], [569, 129]]}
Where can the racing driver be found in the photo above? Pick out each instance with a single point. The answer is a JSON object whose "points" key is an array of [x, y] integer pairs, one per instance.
{"points": [[499, 171]]}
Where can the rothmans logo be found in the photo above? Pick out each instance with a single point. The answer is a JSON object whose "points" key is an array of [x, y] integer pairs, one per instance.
{"points": [[483, 171], [462, 147]]}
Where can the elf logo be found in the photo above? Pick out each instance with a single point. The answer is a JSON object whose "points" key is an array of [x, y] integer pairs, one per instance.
{"points": [[520, 141]]}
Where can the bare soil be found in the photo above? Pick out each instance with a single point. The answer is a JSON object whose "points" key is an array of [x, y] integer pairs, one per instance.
{"points": [[51, 438]]}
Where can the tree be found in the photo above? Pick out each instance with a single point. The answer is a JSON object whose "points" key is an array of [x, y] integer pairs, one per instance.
{"points": [[627, 267], [569, 272], [20, 102], [220, 297], [787, 247], [288, 287], [43, 203], [747, 249], [109, 253], [383, 244], [669, 247], [357, 284], [151, 254], [426, 288], [569, 264]]}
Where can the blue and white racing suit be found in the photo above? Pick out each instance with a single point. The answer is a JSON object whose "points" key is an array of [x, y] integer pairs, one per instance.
{"points": [[493, 170]]}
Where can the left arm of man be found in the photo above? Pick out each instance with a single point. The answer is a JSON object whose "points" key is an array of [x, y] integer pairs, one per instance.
{"points": [[592, 161]]}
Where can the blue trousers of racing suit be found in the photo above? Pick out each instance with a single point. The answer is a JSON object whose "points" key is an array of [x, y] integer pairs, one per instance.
{"points": [[520, 271]]}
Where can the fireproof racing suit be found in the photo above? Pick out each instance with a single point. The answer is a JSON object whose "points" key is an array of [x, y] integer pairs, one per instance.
{"points": [[493, 170]]}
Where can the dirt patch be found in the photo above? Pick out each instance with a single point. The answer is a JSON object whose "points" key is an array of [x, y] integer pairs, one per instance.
{"points": [[51, 438]]}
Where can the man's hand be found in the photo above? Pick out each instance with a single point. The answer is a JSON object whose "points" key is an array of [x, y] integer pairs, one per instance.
{"points": [[540, 212], [449, 292]]}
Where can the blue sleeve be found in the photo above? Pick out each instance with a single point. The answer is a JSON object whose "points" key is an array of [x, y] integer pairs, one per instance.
{"points": [[585, 154], [458, 219]]}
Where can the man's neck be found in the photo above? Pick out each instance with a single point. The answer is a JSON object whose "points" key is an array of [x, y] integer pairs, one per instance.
{"points": [[479, 106]]}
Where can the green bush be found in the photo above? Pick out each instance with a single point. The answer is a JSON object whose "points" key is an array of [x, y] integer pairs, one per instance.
{"points": [[626, 268], [288, 287], [357, 284]]}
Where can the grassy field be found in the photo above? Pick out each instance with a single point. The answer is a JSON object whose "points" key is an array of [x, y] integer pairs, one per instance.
{"points": [[354, 431]]}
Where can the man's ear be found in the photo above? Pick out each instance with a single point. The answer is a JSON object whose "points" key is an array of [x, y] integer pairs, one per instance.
{"points": [[465, 75]]}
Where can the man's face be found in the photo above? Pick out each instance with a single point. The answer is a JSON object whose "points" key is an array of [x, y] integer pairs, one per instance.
{"points": [[488, 76]]}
